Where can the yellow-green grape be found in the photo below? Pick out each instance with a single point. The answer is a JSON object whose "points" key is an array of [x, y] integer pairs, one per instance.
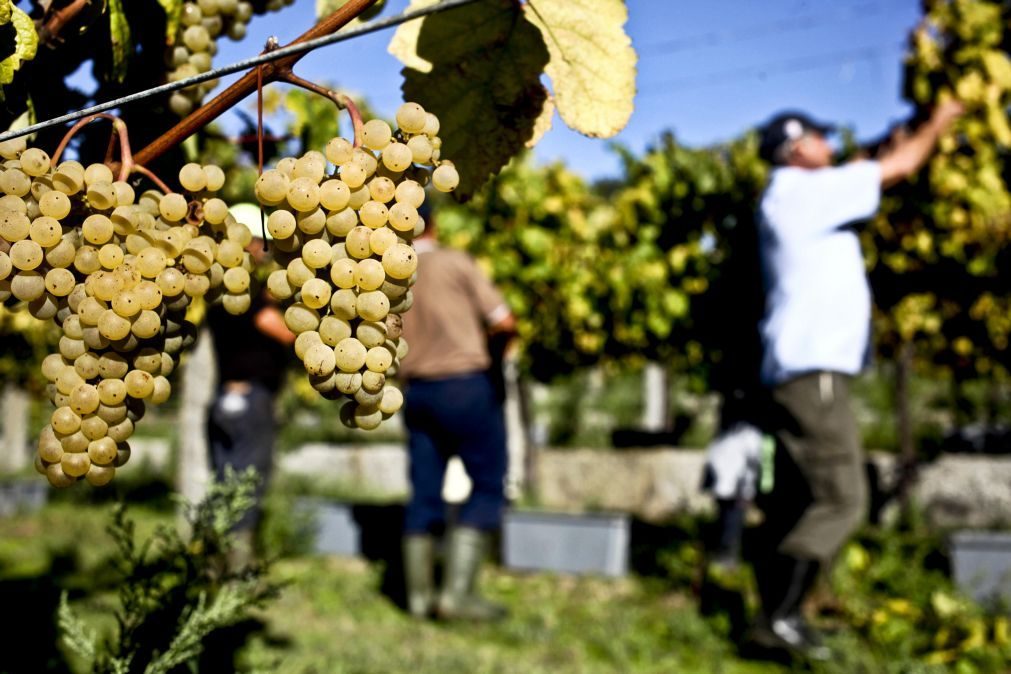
{"points": [[171, 282], [393, 400], [403, 217], [278, 285], [350, 355], [197, 257], [112, 366], [352, 173], [215, 211], [139, 384], [381, 240], [28, 285], [373, 305], [65, 420], [378, 359], [373, 382], [86, 260], [55, 204], [148, 360], [303, 194], [104, 286], [62, 254], [367, 418], [299, 272], [26, 254], [339, 151], [11, 149], [122, 427], [358, 197], [421, 149], [148, 294], [319, 360], [90, 310], [50, 449], [74, 442], [316, 293], [215, 177], [84, 399], [52, 366], [43, 307], [357, 243], [382, 189], [445, 178], [299, 318], [397, 157], [57, 478], [110, 256], [311, 222], [124, 193], [161, 390], [102, 451], [343, 272], [304, 340], [126, 304], [230, 254], [431, 124], [369, 274], [334, 194], [403, 304], [281, 224], [173, 207], [69, 177], [16, 182], [348, 382], [192, 177], [341, 222], [101, 196], [113, 326], [93, 428], [35, 162], [75, 464], [376, 134], [123, 455], [332, 330], [236, 280], [97, 229], [287, 167], [6, 266], [196, 285], [400, 261], [236, 303], [411, 118], [45, 231], [401, 348], [71, 348], [373, 214], [371, 333], [14, 226], [316, 254], [111, 391], [146, 325], [344, 304], [99, 476], [311, 165], [60, 282]]}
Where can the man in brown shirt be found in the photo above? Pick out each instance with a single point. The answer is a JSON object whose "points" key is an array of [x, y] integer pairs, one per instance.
{"points": [[452, 409]]}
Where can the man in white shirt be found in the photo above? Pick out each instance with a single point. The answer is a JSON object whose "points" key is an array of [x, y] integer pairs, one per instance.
{"points": [[816, 337]]}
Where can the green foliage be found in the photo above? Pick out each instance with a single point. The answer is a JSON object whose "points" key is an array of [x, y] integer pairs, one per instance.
{"points": [[173, 591], [26, 41], [119, 30]]}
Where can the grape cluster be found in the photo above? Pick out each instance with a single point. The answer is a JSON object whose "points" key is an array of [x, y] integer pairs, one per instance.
{"points": [[201, 23], [116, 273], [343, 240]]}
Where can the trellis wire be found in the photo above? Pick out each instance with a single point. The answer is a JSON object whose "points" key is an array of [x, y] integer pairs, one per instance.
{"points": [[246, 64]]}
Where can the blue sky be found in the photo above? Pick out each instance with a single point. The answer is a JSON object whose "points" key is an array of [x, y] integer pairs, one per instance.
{"points": [[707, 70]]}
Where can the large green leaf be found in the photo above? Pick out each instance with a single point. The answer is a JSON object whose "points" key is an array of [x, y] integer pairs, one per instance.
{"points": [[119, 30], [26, 42], [592, 66], [173, 14], [484, 84], [404, 44]]}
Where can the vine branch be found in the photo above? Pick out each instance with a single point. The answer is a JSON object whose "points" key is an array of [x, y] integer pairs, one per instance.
{"points": [[50, 28], [342, 101], [246, 85]]}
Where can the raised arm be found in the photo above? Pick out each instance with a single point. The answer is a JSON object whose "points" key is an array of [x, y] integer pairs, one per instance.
{"points": [[909, 154]]}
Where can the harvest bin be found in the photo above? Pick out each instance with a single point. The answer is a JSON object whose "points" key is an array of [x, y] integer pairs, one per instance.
{"points": [[981, 562], [540, 541], [333, 529], [22, 495]]}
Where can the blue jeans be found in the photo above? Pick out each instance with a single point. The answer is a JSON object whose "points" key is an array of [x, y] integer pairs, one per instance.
{"points": [[455, 416]]}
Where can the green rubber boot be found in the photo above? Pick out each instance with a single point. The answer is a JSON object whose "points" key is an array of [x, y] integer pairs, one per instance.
{"points": [[459, 599], [419, 550]]}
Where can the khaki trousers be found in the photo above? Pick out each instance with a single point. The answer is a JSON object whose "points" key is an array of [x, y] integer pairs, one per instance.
{"points": [[820, 492]]}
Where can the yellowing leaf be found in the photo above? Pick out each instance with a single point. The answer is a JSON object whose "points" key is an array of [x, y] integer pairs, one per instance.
{"points": [[484, 84], [543, 122], [592, 66], [26, 42], [119, 31], [173, 13], [5, 11], [404, 44]]}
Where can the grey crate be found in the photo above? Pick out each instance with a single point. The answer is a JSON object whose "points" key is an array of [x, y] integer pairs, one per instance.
{"points": [[334, 530], [982, 565], [23, 496], [583, 544]]}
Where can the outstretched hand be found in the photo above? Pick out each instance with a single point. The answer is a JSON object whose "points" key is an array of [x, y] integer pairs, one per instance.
{"points": [[946, 113]]}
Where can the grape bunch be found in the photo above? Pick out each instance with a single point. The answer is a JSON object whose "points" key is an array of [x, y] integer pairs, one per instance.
{"points": [[116, 273], [201, 23], [343, 240]]}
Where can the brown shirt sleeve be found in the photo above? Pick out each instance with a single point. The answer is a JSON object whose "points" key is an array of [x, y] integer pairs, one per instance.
{"points": [[488, 301]]}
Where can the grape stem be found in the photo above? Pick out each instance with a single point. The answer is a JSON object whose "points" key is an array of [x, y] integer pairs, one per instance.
{"points": [[148, 173], [246, 85], [126, 162], [49, 29], [342, 101]]}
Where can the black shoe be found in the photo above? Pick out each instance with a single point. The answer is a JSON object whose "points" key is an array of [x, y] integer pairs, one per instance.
{"points": [[784, 582]]}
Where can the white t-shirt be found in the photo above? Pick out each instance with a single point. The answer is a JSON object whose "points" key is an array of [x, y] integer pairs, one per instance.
{"points": [[818, 303]]}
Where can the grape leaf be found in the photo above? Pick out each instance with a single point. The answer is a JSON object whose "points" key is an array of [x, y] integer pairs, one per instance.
{"points": [[26, 42], [404, 44], [325, 8], [484, 84], [592, 66], [119, 31], [543, 122], [5, 11], [173, 15]]}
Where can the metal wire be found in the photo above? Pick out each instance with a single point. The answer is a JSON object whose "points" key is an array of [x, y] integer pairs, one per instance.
{"points": [[309, 45]]}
